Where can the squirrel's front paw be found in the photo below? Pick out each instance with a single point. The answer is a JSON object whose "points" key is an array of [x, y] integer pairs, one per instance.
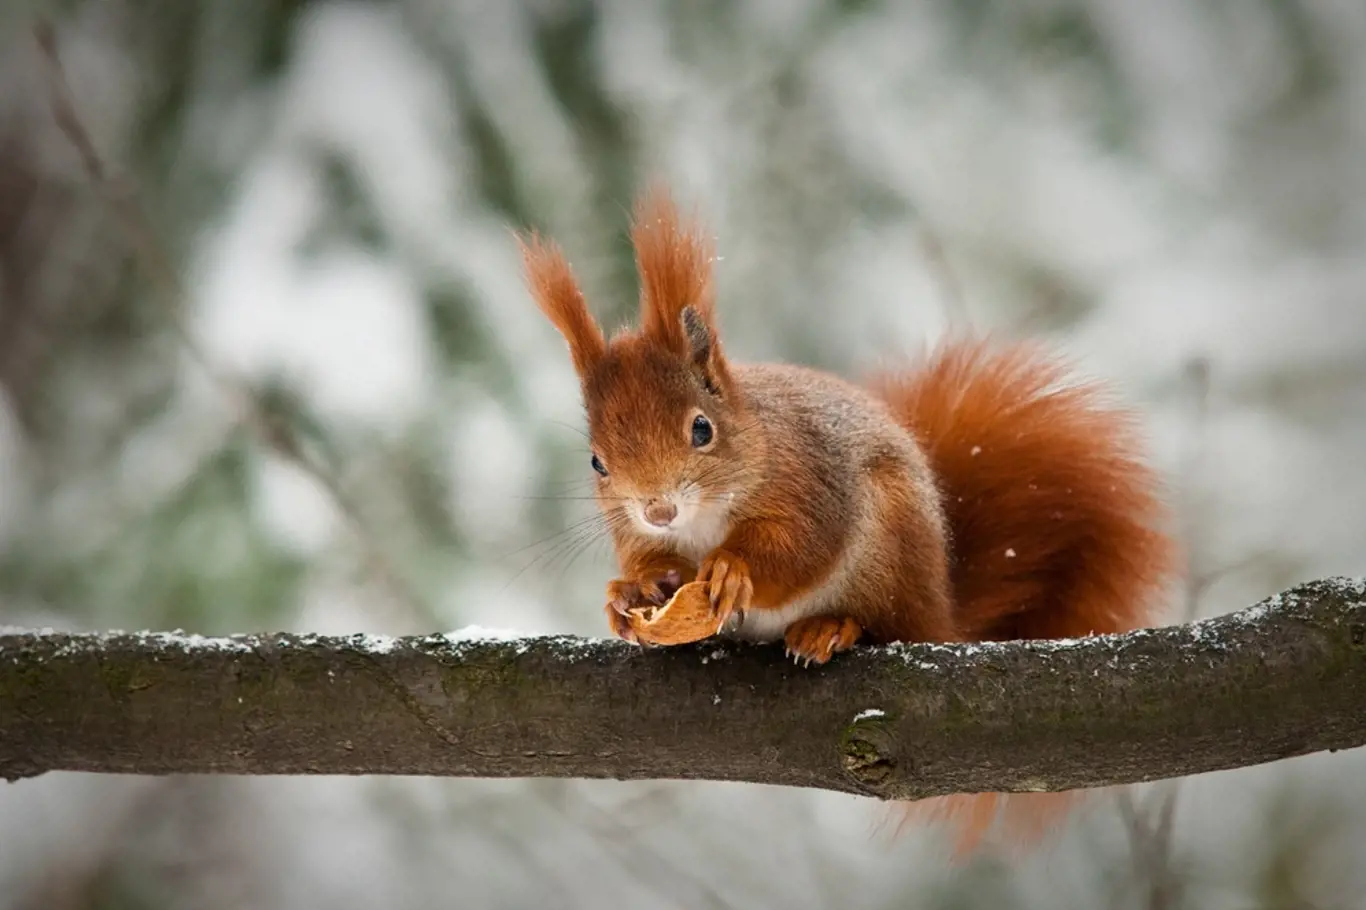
{"points": [[624, 595], [729, 585], [816, 639]]}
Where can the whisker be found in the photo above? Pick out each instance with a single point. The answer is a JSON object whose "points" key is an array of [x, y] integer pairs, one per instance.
{"points": [[572, 554], [565, 530], [564, 540], [568, 426], [578, 482], [568, 555]]}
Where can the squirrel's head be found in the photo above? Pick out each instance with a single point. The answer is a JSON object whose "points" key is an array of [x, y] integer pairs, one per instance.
{"points": [[665, 420]]}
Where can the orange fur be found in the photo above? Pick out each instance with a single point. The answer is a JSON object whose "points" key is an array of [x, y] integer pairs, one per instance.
{"points": [[1025, 817], [983, 494], [557, 293], [674, 261], [1055, 519]]}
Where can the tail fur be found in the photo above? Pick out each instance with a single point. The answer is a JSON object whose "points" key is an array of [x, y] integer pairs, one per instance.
{"points": [[1055, 520]]}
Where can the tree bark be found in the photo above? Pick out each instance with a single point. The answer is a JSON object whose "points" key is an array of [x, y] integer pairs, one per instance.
{"points": [[1284, 678]]}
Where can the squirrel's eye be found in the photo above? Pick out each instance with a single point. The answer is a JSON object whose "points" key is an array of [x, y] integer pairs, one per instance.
{"points": [[701, 431], [597, 466]]}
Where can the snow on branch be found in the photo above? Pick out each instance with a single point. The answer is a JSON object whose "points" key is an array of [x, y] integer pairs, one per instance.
{"points": [[1283, 678]]}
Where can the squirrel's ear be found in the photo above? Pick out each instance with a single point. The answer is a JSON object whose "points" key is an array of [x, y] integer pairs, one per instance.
{"points": [[698, 335], [674, 260], [704, 350], [551, 282]]}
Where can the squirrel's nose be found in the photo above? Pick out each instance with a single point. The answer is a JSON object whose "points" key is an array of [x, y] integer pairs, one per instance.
{"points": [[660, 512]]}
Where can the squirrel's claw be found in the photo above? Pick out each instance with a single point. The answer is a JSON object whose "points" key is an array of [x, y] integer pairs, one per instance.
{"points": [[621, 626], [624, 595], [818, 638], [729, 586]]}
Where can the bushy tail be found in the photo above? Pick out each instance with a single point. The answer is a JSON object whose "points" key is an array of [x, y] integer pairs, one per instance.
{"points": [[1054, 517], [1055, 520]]}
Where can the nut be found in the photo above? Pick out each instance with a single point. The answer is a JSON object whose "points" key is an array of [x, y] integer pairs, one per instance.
{"points": [[687, 617]]}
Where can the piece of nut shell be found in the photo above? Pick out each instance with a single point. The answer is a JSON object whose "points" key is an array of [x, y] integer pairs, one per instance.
{"points": [[687, 617]]}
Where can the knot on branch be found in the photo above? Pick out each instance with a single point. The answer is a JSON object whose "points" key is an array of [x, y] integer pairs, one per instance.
{"points": [[868, 753]]}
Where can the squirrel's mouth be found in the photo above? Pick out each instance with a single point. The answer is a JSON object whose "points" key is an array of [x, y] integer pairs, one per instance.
{"points": [[669, 585]]}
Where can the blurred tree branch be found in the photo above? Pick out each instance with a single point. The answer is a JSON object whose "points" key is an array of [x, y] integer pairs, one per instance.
{"points": [[254, 414], [1284, 678]]}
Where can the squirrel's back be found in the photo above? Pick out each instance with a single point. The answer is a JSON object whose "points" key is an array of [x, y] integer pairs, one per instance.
{"points": [[845, 486], [1054, 516]]}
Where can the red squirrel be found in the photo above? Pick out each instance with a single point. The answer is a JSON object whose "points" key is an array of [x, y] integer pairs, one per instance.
{"points": [[984, 493]]}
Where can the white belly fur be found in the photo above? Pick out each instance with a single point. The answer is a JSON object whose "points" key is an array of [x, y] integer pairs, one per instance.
{"points": [[703, 534], [769, 625]]}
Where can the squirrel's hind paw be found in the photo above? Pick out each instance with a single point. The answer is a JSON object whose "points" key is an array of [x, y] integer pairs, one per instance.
{"points": [[816, 639]]}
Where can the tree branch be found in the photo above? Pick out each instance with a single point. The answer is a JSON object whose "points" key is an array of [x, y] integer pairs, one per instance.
{"points": [[1284, 678]]}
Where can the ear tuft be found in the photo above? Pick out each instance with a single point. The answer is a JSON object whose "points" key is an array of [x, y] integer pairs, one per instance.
{"points": [[551, 282], [674, 260]]}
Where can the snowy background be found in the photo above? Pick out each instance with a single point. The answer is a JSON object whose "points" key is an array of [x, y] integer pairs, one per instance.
{"points": [[1174, 192]]}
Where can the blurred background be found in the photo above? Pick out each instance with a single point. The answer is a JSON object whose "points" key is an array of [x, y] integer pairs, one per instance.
{"points": [[277, 371]]}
